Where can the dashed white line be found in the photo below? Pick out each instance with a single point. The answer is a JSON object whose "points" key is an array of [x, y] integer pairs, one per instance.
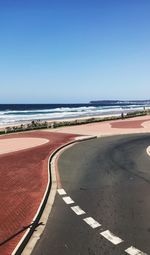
{"points": [[93, 223], [77, 210], [68, 200], [61, 192], [111, 237], [133, 251]]}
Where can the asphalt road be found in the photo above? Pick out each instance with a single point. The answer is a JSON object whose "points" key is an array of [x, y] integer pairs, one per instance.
{"points": [[109, 179]]}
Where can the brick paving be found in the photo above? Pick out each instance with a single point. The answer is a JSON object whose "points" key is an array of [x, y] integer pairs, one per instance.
{"points": [[17, 144], [23, 174], [23, 180], [128, 124]]}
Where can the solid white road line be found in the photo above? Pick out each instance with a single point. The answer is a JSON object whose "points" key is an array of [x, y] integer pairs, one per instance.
{"points": [[77, 210], [133, 251], [111, 237], [61, 192], [93, 223], [68, 200]]}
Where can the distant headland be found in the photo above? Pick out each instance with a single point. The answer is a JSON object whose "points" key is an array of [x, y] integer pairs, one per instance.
{"points": [[120, 102]]}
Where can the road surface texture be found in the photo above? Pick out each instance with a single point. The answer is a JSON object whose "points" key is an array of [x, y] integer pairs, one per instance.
{"points": [[106, 208], [23, 181]]}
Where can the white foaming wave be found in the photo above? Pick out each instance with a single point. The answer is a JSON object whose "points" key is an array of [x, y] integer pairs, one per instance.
{"points": [[55, 114], [65, 109], [61, 109], [64, 112]]}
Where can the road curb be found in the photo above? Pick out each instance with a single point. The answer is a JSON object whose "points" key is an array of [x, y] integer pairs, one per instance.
{"points": [[27, 243]]}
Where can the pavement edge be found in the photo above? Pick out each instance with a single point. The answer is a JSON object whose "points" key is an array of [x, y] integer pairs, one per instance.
{"points": [[30, 238]]}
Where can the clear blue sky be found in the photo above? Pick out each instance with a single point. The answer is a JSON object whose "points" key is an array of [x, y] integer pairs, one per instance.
{"points": [[65, 51]]}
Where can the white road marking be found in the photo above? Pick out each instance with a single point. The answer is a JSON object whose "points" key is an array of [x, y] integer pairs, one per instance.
{"points": [[68, 200], [61, 192], [93, 223], [77, 210], [111, 237], [133, 251]]}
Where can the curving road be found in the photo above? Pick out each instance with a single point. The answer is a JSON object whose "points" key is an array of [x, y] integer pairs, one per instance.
{"points": [[109, 179]]}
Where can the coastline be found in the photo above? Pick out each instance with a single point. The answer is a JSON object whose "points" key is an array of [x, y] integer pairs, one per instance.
{"points": [[66, 120], [18, 115], [52, 124]]}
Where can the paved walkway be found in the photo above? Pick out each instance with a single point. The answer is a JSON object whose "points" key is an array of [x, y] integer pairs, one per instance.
{"points": [[17, 144], [23, 170], [23, 180], [127, 126]]}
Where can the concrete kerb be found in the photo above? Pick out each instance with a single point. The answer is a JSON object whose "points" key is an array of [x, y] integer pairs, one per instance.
{"points": [[148, 150], [30, 238]]}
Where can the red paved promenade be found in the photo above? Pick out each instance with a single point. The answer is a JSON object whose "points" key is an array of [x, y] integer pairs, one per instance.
{"points": [[23, 180], [125, 126], [23, 174], [128, 124]]}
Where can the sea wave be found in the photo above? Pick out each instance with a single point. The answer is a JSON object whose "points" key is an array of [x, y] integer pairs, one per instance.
{"points": [[64, 109], [9, 117]]}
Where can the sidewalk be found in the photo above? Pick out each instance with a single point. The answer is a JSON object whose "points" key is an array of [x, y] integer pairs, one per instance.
{"points": [[23, 170], [127, 126], [23, 180]]}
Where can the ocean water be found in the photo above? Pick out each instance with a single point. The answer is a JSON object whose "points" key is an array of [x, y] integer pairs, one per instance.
{"points": [[12, 114]]}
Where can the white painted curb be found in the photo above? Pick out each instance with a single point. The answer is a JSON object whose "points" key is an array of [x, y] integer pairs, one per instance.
{"points": [[28, 248], [36, 234], [27, 232]]}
